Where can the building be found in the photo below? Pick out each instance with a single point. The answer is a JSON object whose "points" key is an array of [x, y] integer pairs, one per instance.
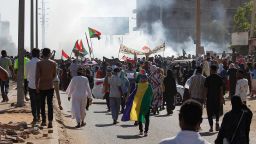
{"points": [[178, 18], [4, 29], [5, 38]]}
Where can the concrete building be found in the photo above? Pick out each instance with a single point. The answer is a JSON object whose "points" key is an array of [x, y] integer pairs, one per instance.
{"points": [[6, 42], [178, 18]]}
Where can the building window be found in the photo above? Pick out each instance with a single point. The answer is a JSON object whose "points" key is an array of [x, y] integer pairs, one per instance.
{"points": [[187, 15]]}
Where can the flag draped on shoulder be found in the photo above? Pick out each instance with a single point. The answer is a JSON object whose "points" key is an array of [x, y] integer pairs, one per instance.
{"points": [[94, 33], [64, 54], [138, 103], [79, 49]]}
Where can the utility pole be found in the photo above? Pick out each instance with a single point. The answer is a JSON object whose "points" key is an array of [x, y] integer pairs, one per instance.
{"points": [[32, 25], [43, 24], [20, 78], [36, 23], [198, 26]]}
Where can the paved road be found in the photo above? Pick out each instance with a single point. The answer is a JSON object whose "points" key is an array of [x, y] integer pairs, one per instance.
{"points": [[99, 128]]}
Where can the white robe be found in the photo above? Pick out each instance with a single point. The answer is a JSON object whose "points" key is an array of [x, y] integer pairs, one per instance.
{"points": [[79, 91]]}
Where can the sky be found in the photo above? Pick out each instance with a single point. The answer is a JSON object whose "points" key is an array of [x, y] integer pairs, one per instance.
{"points": [[64, 22]]}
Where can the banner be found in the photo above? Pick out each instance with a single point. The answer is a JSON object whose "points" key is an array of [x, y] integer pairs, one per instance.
{"points": [[157, 49], [125, 50]]}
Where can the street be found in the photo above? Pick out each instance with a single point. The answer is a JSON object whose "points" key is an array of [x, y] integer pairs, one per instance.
{"points": [[99, 128]]}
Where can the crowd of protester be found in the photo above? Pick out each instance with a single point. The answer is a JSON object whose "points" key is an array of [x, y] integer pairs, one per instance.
{"points": [[209, 79]]}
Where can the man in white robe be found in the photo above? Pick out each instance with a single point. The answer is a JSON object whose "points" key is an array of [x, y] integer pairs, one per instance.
{"points": [[79, 91]]}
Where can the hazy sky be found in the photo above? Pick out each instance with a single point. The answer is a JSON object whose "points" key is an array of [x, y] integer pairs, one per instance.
{"points": [[64, 24]]}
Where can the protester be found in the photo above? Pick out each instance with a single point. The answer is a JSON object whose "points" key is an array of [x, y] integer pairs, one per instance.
{"points": [[138, 105], [170, 91], [232, 79], [106, 87], [56, 85], [214, 97], [242, 86], [79, 92], [125, 89], [45, 74], [16, 66], [254, 81], [235, 127], [190, 119], [115, 94], [6, 64], [156, 82], [73, 68], [31, 77], [196, 88]]}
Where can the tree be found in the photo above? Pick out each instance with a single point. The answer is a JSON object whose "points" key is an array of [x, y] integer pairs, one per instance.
{"points": [[242, 18]]}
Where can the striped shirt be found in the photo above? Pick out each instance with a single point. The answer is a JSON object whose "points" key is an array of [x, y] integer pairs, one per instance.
{"points": [[196, 87]]}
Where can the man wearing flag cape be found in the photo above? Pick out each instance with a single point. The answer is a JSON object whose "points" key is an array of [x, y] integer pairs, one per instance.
{"points": [[138, 104]]}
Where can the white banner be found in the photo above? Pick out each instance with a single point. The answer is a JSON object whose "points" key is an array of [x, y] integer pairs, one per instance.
{"points": [[240, 38]]}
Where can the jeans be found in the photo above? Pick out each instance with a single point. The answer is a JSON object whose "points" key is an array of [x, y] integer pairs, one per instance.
{"points": [[213, 111], [25, 86], [115, 107], [5, 89], [107, 100], [35, 103], [47, 94], [146, 123]]}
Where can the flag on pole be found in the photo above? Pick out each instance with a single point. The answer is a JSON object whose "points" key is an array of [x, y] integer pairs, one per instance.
{"points": [[64, 54], [79, 49], [90, 48], [94, 33]]}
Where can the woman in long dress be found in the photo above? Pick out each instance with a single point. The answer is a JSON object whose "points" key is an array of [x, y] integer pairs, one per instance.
{"points": [[79, 92], [156, 82]]}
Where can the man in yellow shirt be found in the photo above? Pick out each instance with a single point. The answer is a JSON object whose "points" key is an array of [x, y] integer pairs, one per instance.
{"points": [[16, 66]]}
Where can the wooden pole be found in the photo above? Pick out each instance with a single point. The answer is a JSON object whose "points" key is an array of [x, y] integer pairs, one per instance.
{"points": [[21, 38]]}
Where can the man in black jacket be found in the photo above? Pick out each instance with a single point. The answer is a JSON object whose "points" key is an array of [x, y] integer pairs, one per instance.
{"points": [[236, 123]]}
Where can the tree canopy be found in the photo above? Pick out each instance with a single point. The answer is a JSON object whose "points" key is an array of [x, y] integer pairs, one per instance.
{"points": [[242, 18]]}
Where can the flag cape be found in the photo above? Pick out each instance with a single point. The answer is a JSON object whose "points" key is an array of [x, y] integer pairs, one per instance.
{"points": [[94, 33], [64, 54], [138, 103]]}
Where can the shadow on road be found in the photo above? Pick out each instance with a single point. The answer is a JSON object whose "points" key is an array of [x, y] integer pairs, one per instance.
{"points": [[100, 112], [103, 125], [66, 126], [163, 115], [127, 126], [207, 133], [128, 136], [101, 103]]}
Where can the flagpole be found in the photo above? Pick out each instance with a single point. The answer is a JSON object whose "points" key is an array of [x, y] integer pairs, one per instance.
{"points": [[91, 47], [88, 46]]}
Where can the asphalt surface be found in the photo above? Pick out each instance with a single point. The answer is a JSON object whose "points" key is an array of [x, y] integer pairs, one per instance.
{"points": [[99, 128]]}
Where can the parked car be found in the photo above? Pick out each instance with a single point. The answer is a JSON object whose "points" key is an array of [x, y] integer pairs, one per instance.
{"points": [[179, 96]]}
